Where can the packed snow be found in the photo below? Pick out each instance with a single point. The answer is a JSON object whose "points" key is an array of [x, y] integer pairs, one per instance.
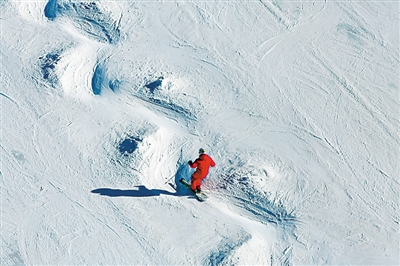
{"points": [[103, 103]]}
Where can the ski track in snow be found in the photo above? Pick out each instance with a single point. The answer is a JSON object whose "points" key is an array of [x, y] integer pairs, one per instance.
{"points": [[104, 103]]}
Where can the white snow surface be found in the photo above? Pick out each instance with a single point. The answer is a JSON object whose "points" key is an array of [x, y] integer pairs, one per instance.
{"points": [[104, 102]]}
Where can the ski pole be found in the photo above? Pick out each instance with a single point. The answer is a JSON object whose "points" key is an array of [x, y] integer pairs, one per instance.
{"points": [[174, 174]]}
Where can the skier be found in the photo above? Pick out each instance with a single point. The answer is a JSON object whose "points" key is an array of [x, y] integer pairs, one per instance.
{"points": [[203, 164]]}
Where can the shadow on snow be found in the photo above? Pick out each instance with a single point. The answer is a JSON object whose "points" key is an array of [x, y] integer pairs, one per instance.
{"points": [[141, 191]]}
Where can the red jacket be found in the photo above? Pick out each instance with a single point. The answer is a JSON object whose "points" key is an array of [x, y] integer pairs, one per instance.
{"points": [[203, 164]]}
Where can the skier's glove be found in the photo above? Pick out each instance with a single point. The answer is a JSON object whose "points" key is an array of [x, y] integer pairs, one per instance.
{"points": [[190, 162]]}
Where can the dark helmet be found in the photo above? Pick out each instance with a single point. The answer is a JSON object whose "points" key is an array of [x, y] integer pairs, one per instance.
{"points": [[201, 151]]}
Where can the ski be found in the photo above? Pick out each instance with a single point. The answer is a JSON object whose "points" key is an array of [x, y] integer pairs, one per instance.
{"points": [[199, 196]]}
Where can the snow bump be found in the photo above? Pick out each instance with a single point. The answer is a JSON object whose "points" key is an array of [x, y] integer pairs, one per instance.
{"points": [[50, 10], [152, 86], [128, 145], [224, 252], [87, 17], [48, 64], [101, 81], [241, 185], [98, 79]]}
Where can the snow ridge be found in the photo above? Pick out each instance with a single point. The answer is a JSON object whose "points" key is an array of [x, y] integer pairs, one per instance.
{"points": [[87, 17]]}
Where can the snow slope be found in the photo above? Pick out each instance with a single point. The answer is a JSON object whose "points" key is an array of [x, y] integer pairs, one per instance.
{"points": [[104, 102]]}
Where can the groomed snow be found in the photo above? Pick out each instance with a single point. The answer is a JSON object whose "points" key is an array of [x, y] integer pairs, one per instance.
{"points": [[104, 102]]}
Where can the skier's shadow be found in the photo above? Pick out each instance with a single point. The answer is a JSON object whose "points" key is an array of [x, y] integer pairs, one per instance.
{"points": [[141, 191]]}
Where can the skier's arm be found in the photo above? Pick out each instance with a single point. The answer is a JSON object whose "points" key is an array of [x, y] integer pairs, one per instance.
{"points": [[212, 162], [193, 165]]}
